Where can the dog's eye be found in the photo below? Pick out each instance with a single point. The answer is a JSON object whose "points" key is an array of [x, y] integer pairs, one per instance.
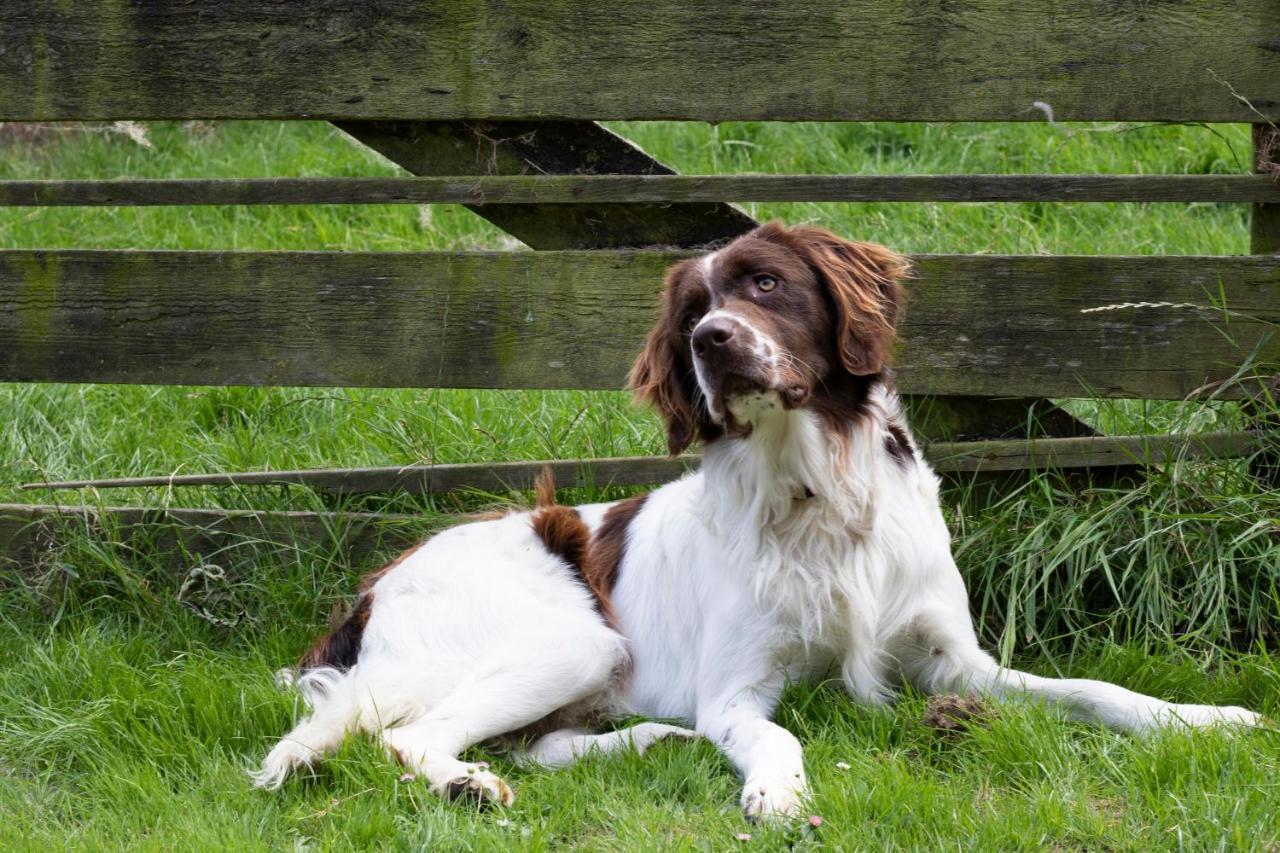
{"points": [[690, 322], [766, 282]]}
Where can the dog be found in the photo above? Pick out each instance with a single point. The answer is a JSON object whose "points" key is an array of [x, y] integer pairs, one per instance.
{"points": [[810, 543]]}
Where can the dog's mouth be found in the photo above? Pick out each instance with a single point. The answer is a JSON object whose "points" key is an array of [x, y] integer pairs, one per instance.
{"points": [[740, 385], [745, 398], [792, 393]]}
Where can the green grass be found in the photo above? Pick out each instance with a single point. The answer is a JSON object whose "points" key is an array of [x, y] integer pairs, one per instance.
{"points": [[127, 718]]}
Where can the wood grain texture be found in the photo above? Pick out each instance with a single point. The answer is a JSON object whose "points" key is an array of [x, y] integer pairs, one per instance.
{"points": [[533, 152], [31, 534], [523, 152], [1094, 451], [994, 326], [495, 477], [501, 477], [647, 190], [716, 60]]}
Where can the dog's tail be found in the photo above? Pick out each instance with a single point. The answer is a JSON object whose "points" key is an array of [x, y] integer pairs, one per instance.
{"points": [[336, 711]]}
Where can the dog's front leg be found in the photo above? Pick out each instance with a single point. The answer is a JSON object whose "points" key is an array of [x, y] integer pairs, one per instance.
{"points": [[767, 755]]}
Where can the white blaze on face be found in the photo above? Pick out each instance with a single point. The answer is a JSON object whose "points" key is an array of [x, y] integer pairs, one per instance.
{"points": [[707, 266], [763, 347], [765, 352], [746, 408]]}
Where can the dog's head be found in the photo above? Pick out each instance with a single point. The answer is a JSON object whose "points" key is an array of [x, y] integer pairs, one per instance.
{"points": [[779, 317]]}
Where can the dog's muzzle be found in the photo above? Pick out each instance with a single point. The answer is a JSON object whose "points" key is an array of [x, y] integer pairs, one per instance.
{"points": [[729, 353], [733, 359]]}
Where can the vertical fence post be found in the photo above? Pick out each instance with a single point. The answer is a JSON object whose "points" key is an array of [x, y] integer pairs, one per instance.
{"points": [[1264, 239]]}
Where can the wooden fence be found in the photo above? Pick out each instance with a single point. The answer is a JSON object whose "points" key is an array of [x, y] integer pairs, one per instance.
{"points": [[494, 106]]}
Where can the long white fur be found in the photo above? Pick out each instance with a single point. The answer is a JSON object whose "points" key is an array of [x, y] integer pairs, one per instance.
{"points": [[732, 583]]}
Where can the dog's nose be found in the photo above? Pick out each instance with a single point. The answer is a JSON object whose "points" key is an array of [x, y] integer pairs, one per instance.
{"points": [[713, 334]]}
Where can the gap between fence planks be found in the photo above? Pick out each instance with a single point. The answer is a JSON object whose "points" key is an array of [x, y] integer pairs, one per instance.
{"points": [[650, 189], [495, 149], [946, 457]]}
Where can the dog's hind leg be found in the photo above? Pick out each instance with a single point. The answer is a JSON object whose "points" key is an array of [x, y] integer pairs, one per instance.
{"points": [[504, 694], [564, 747], [941, 654]]}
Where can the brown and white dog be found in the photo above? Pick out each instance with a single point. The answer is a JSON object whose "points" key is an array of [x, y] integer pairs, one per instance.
{"points": [[810, 542]]}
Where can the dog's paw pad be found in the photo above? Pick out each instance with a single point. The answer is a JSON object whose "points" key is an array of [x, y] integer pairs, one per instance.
{"points": [[772, 801], [479, 787]]}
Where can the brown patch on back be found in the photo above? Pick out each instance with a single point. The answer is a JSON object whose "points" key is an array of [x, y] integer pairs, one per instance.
{"points": [[340, 648], [610, 542], [565, 534]]}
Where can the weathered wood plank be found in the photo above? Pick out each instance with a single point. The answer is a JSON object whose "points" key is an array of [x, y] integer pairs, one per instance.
{"points": [[544, 148], [499, 477], [28, 533], [978, 325], [572, 156], [1093, 451], [717, 60], [645, 189], [496, 477], [541, 149]]}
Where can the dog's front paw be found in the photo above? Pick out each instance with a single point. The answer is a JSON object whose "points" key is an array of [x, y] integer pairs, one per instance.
{"points": [[774, 799], [480, 787]]}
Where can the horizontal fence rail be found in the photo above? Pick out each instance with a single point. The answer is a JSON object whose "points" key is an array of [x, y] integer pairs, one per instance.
{"points": [[717, 60], [30, 533], [994, 326], [648, 189], [946, 457]]}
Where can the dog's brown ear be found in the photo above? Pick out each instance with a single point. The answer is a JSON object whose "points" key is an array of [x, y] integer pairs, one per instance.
{"points": [[658, 375], [863, 281]]}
